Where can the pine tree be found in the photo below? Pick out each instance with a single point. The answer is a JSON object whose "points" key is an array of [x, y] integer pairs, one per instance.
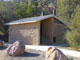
{"points": [[73, 36], [30, 11], [66, 9], [26, 11]]}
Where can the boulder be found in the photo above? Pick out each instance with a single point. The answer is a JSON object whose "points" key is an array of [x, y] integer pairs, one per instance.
{"points": [[1, 43], [17, 48], [55, 54]]}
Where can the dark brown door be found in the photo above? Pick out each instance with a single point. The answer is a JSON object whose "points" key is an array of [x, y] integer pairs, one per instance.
{"points": [[40, 33], [54, 39]]}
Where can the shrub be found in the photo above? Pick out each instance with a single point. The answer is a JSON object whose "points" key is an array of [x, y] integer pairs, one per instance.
{"points": [[73, 38]]}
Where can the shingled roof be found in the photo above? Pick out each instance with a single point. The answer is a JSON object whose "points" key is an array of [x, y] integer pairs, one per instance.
{"points": [[33, 19]]}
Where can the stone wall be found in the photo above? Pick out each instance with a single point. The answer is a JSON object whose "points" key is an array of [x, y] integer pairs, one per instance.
{"points": [[59, 33], [50, 30], [28, 33], [47, 31]]}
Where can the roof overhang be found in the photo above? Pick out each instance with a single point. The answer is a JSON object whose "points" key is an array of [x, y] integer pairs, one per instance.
{"points": [[33, 19]]}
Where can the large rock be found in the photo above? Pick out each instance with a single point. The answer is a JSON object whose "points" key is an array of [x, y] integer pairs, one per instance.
{"points": [[1, 43], [55, 54], [17, 48]]}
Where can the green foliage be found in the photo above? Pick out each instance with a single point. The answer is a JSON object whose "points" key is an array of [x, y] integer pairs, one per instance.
{"points": [[30, 11], [75, 22], [69, 11], [22, 10], [73, 36], [7, 11], [73, 39], [7, 14], [27, 11], [1, 33], [66, 9], [45, 11], [35, 3]]}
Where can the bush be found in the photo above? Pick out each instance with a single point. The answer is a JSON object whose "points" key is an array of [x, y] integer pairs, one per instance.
{"points": [[73, 38]]}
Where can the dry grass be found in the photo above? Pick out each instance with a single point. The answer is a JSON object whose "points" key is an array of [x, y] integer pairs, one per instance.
{"points": [[3, 55], [69, 48]]}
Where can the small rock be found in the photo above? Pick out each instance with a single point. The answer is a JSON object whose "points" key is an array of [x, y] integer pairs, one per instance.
{"points": [[17, 48], [55, 54]]}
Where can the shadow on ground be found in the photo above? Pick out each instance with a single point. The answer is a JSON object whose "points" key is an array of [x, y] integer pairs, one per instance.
{"points": [[3, 48], [28, 54]]}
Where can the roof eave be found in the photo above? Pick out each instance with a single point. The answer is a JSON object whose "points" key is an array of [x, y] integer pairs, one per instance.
{"points": [[49, 16]]}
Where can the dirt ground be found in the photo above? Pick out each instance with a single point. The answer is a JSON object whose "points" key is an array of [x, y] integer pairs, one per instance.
{"points": [[76, 58], [28, 55]]}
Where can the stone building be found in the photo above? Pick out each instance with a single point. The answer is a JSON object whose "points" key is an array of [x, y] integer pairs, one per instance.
{"points": [[39, 30]]}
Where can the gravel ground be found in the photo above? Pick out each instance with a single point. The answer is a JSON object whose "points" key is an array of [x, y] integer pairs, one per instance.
{"points": [[28, 55], [76, 58]]}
